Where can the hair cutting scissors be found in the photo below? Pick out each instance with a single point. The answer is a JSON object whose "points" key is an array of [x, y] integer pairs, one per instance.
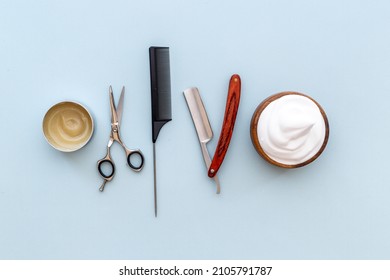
{"points": [[116, 116]]}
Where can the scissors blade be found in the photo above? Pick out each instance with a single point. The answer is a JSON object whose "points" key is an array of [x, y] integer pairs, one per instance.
{"points": [[119, 109], [114, 117]]}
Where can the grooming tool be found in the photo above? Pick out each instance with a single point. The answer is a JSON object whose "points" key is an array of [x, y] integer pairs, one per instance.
{"points": [[203, 128], [202, 125], [160, 83], [116, 117], [229, 119]]}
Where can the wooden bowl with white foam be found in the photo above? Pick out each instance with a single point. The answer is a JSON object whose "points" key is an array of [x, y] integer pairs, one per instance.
{"points": [[289, 129]]}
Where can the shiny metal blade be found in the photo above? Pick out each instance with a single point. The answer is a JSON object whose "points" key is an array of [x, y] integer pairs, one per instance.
{"points": [[202, 125], [112, 106], [119, 108], [198, 114]]}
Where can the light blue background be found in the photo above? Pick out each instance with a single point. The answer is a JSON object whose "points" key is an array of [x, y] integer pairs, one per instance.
{"points": [[335, 51]]}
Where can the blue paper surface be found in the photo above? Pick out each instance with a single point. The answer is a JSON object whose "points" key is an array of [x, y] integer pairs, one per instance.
{"points": [[338, 52]]}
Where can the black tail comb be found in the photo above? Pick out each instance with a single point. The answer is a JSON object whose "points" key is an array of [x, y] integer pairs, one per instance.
{"points": [[160, 82]]}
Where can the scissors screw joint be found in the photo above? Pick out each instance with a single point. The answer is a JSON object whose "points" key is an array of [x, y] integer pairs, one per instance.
{"points": [[115, 127]]}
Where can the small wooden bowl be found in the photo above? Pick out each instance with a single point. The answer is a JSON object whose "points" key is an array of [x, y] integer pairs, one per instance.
{"points": [[255, 136]]}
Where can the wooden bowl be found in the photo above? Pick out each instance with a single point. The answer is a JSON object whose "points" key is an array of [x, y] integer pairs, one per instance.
{"points": [[255, 136]]}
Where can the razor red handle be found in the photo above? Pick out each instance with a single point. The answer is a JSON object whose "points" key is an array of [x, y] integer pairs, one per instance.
{"points": [[232, 102]]}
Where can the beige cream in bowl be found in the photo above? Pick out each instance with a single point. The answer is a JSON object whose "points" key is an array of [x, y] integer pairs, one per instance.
{"points": [[289, 129], [68, 126]]}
